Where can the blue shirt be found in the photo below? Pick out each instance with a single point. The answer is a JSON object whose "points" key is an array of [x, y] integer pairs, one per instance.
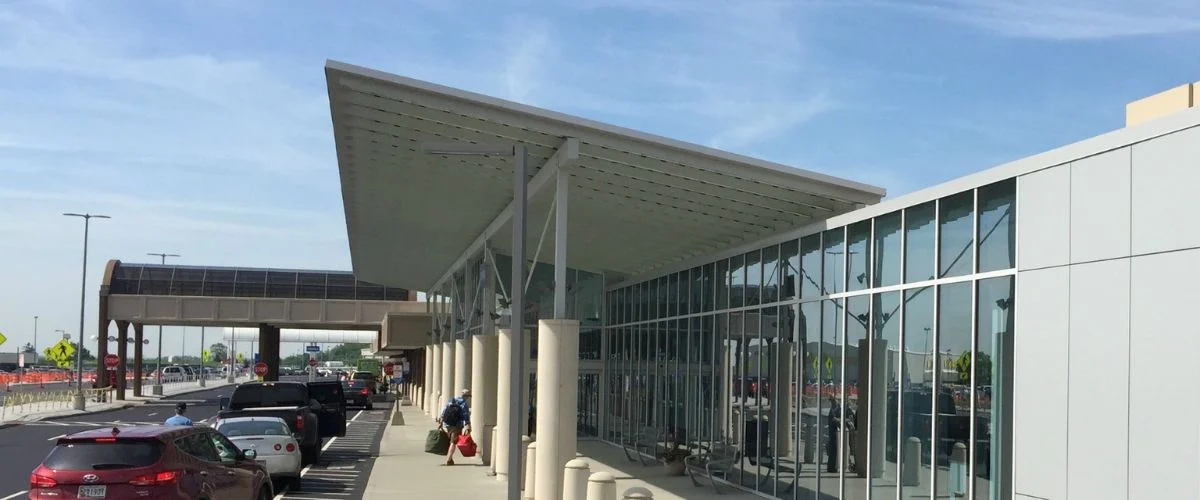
{"points": [[178, 420], [466, 412]]}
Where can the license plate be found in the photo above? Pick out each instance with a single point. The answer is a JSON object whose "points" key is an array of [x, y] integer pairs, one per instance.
{"points": [[92, 491]]}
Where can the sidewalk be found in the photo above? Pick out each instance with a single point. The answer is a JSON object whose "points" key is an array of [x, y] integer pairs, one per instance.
{"points": [[33, 412], [404, 470]]}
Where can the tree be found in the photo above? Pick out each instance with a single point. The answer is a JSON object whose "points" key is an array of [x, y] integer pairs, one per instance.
{"points": [[983, 368], [28, 347], [218, 353]]}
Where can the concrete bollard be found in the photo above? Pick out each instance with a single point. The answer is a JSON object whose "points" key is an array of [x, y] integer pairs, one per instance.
{"points": [[575, 480], [958, 471], [530, 462], [602, 486], [492, 452], [910, 467], [638, 493]]}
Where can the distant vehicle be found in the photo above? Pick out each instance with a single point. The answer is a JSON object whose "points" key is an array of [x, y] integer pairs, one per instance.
{"points": [[357, 394], [313, 411], [128, 463], [370, 378], [272, 442]]}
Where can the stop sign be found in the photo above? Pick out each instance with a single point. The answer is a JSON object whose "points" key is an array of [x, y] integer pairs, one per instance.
{"points": [[389, 369], [111, 360], [312, 362], [260, 369]]}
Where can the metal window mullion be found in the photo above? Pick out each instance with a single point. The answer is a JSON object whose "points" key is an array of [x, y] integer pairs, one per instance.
{"points": [[972, 394], [936, 370], [870, 264], [903, 348]]}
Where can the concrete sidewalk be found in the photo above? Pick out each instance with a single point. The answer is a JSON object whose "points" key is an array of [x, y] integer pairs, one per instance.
{"points": [[33, 412], [404, 470]]}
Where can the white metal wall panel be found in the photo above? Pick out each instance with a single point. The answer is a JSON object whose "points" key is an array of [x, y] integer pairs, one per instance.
{"points": [[1166, 172], [1040, 383], [1044, 218], [1097, 415], [1100, 206], [1164, 370]]}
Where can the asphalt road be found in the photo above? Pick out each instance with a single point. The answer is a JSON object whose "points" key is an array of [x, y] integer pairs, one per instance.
{"points": [[344, 467]]}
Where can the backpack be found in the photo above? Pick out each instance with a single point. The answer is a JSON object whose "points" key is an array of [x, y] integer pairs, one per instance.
{"points": [[453, 413]]}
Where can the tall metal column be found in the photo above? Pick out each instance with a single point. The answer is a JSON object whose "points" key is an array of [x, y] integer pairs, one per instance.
{"points": [[561, 201], [517, 323]]}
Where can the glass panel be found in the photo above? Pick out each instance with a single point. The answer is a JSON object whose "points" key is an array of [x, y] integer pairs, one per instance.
{"points": [[656, 303], [809, 442], [835, 261], [993, 407], [956, 230], [770, 267], [672, 295], [858, 250], [737, 351], [885, 375], [737, 281], [696, 293], [997, 226], [754, 270], [952, 433], [709, 285], [916, 402], [857, 364], [810, 266], [722, 278], [887, 250], [918, 242], [708, 393], [835, 440], [789, 268], [281, 277], [681, 294], [340, 278]]}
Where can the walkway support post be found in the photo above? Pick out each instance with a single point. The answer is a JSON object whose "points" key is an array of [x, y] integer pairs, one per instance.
{"points": [[484, 349], [435, 387], [122, 355], [138, 330], [462, 367], [448, 389]]}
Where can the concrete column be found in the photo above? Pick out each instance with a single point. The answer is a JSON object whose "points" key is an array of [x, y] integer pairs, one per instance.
{"points": [[781, 397], [428, 380], [268, 350], [557, 401], [462, 365], [101, 341], [484, 362], [137, 359], [122, 354], [504, 341], [435, 385], [448, 389]]}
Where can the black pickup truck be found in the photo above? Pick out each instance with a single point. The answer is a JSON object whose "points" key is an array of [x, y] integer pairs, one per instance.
{"points": [[313, 410]]}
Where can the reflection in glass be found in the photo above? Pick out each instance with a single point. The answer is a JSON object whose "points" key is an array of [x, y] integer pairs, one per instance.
{"points": [[722, 278], [735, 348], [997, 226], [919, 235], [770, 273], [858, 255], [956, 226], [835, 262], [737, 281], [916, 388], [808, 444], [754, 281], [887, 250], [952, 433], [857, 366], [789, 267], [810, 266], [835, 438], [708, 394], [885, 376], [993, 395], [672, 295]]}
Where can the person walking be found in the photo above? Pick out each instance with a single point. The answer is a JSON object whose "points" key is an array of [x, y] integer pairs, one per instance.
{"points": [[455, 420], [179, 418]]}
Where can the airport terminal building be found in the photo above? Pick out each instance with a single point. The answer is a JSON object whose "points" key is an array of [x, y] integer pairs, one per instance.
{"points": [[1014, 333]]}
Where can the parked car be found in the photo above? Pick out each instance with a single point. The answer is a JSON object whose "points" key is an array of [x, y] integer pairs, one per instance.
{"points": [[167, 462], [357, 394], [273, 443], [313, 410]]}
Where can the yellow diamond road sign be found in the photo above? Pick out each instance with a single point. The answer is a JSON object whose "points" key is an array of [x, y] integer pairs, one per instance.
{"points": [[3, 339], [62, 351]]}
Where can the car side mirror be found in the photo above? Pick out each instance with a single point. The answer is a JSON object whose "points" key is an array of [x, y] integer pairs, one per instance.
{"points": [[249, 455]]}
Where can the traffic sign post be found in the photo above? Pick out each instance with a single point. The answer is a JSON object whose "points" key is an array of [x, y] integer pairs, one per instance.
{"points": [[389, 368], [260, 369], [312, 348], [312, 367], [111, 361]]}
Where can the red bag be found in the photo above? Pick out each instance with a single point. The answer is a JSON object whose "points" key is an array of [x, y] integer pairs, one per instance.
{"points": [[466, 446]]}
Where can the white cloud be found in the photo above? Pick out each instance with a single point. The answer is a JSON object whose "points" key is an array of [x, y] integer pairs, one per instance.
{"points": [[1064, 19]]}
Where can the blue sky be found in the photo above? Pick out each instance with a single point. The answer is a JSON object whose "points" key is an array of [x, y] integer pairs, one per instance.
{"points": [[203, 127]]}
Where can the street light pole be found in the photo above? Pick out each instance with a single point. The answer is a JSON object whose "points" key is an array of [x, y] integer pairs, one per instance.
{"points": [[157, 388], [35, 351], [202, 374], [87, 220]]}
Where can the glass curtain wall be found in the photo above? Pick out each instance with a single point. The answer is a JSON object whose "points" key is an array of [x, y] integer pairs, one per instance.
{"points": [[870, 361]]}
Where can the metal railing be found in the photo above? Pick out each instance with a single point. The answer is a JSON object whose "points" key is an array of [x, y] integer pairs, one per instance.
{"points": [[24, 403]]}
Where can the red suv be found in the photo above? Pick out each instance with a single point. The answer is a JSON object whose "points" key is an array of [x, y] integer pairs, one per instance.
{"points": [[168, 462]]}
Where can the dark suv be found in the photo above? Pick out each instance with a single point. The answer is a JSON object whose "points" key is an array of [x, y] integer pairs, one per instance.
{"points": [[167, 462]]}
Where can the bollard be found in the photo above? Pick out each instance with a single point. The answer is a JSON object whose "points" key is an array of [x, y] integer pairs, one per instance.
{"points": [[575, 479], [602, 486], [492, 451], [958, 471], [910, 468], [530, 459], [638, 493]]}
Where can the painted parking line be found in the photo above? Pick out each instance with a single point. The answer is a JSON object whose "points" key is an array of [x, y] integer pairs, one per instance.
{"points": [[15, 495], [339, 474]]}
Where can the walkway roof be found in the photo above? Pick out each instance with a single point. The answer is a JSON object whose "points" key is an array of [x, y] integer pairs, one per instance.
{"points": [[637, 201]]}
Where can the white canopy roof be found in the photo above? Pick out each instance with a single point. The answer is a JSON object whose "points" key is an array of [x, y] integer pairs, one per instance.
{"points": [[637, 201]]}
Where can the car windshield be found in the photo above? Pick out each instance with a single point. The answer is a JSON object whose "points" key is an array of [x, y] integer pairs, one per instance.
{"points": [[364, 375], [91, 455], [235, 428]]}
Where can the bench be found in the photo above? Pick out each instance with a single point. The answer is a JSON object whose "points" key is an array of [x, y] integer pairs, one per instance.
{"points": [[719, 460], [646, 439]]}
